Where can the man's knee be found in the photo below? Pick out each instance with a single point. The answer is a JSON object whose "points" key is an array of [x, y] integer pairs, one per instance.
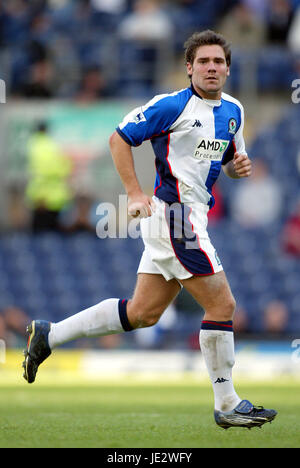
{"points": [[229, 307], [148, 321], [222, 312], [140, 316]]}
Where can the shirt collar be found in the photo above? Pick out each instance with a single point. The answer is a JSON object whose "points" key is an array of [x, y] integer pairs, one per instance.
{"points": [[209, 102]]}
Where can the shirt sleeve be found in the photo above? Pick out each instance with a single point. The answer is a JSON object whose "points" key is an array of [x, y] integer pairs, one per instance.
{"points": [[238, 139], [152, 119], [238, 143]]}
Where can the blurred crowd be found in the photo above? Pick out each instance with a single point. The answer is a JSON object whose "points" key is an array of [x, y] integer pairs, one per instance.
{"points": [[81, 49]]}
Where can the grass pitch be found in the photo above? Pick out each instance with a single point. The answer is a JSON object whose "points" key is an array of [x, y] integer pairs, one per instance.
{"points": [[132, 414]]}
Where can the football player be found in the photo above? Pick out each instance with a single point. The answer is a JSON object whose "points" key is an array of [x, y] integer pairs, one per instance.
{"points": [[195, 133]]}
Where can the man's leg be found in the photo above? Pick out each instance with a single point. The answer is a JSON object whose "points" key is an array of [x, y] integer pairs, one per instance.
{"points": [[151, 297], [217, 346], [216, 336]]}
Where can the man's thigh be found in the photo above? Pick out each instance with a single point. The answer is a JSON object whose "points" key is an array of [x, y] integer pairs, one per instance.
{"points": [[213, 293], [151, 297]]}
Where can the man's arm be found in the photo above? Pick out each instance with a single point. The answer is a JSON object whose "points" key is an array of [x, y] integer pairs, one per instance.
{"points": [[139, 204], [239, 166]]}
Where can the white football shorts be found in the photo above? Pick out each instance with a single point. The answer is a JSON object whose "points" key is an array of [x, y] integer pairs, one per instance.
{"points": [[176, 242]]}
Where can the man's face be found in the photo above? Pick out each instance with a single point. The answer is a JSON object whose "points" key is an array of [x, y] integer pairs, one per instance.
{"points": [[209, 71]]}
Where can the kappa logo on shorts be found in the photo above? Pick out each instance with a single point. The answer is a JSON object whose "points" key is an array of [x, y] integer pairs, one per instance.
{"points": [[217, 258]]}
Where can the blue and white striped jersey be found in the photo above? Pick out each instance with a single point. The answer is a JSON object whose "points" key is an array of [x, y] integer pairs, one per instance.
{"points": [[191, 137]]}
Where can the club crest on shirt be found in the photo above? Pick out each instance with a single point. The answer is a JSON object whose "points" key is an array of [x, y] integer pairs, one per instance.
{"points": [[232, 126]]}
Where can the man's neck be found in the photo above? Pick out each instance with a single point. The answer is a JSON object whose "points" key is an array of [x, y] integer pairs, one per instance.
{"points": [[213, 96]]}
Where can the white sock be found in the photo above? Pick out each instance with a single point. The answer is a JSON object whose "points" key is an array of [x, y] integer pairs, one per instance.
{"points": [[217, 347], [101, 319]]}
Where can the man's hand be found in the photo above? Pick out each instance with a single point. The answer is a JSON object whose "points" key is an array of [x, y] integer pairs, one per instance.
{"points": [[140, 205], [241, 165]]}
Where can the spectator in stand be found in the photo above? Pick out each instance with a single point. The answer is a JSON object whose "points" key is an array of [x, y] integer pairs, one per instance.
{"points": [[241, 322], [16, 21], [18, 216], [276, 318], [294, 34], [147, 22], [249, 30], [78, 217], [205, 13], [2, 328], [146, 36], [92, 86], [41, 27], [38, 85], [258, 201], [291, 233], [13, 321], [279, 18], [258, 7], [294, 39], [47, 190], [110, 7]]}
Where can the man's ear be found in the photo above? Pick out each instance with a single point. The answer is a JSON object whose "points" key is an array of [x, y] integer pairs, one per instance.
{"points": [[228, 71], [189, 69]]}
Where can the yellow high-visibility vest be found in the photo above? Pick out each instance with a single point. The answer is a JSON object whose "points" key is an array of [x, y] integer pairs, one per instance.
{"points": [[48, 173]]}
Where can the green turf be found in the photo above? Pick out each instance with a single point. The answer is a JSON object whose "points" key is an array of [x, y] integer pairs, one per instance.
{"points": [[111, 415]]}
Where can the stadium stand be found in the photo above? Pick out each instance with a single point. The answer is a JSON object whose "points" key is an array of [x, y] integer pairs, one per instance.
{"points": [[54, 275], [45, 32]]}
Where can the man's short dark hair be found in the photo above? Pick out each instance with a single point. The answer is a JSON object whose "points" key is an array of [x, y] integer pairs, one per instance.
{"points": [[203, 38]]}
